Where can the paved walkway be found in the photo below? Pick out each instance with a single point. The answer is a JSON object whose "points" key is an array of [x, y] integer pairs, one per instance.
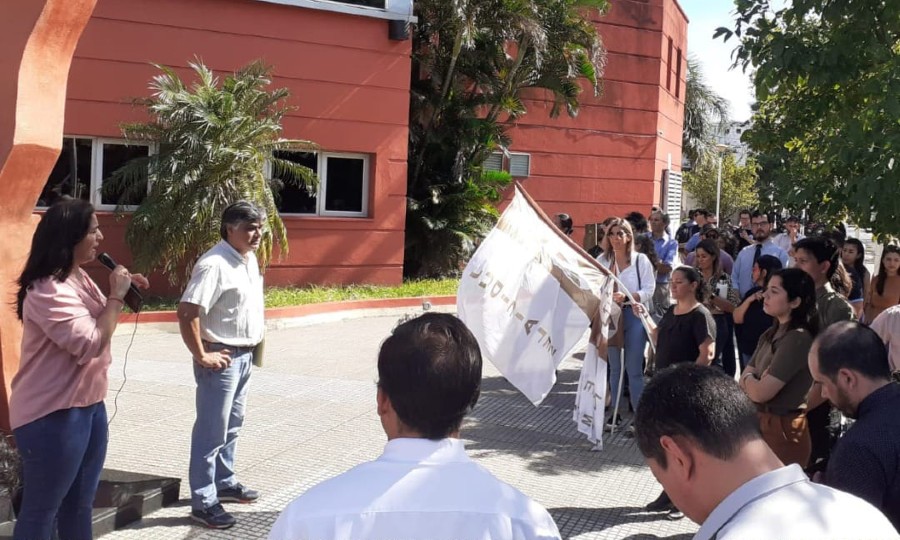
{"points": [[312, 416]]}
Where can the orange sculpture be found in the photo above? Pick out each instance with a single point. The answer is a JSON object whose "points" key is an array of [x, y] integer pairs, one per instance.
{"points": [[39, 40]]}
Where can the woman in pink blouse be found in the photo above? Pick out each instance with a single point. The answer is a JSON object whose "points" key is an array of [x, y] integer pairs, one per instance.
{"points": [[56, 404]]}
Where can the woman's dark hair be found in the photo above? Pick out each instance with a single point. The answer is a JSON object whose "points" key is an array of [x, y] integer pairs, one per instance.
{"points": [[768, 264], [644, 244], [693, 276], [825, 249], [638, 222], [712, 247], [858, 264], [61, 228], [798, 284], [882, 271], [731, 243]]}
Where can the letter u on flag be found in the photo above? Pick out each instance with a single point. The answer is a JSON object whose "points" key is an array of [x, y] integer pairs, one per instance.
{"points": [[529, 294]]}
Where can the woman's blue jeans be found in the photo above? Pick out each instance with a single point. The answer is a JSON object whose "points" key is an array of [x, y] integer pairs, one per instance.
{"points": [[62, 458], [635, 341]]}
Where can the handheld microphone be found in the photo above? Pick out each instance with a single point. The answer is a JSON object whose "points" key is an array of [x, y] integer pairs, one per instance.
{"points": [[133, 298]]}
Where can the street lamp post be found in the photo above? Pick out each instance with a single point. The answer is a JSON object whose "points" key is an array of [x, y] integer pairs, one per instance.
{"points": [[720, 149]]}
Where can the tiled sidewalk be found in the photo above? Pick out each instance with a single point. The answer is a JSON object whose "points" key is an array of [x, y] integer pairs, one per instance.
{"points": [[312, 415]]}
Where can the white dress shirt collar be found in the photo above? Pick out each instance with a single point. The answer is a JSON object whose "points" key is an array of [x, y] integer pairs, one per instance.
{"points": [[232, 253], [409, 450], [751, 491]]}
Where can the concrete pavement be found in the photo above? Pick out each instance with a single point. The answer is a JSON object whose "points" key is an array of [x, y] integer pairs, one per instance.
{"points": [[311, 416]]}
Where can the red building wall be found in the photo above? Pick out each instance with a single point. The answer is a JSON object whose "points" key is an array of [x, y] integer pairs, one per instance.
{"points": [[610, 159], [351, 86], [349, 82]]}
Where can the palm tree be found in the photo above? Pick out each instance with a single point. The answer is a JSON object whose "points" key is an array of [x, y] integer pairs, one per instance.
{"points": [[704, 113], [216, 143], [472, 61]]}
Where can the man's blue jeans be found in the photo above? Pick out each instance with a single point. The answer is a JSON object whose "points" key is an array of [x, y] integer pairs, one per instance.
{"points": [[635, 341], [221, 400], [62, 457]]}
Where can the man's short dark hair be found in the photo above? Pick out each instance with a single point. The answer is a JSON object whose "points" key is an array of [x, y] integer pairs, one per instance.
{"points": [[703, 212], [566, 224], [240, 212], [430, 369], [699, 403], [745, 211], [770, 216], [853, 346]]}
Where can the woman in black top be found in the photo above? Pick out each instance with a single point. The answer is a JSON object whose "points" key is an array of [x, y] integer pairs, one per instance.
{"points": [[749, 318], [686, 333]]}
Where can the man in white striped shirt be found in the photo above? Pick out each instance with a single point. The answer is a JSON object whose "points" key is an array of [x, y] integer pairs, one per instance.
{"points": [[221, 318]]}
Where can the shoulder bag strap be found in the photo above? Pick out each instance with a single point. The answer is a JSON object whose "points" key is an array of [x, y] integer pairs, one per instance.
{"points": [[637, 268]]}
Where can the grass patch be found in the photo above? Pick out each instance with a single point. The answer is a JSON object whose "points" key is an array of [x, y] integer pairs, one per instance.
{"points": [[316, 294]]}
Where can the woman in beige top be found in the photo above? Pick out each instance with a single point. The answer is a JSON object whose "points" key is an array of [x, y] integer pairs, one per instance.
{"points": [[885, 289], [778, 378]]}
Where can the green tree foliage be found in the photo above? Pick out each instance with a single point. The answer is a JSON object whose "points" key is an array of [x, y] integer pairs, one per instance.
{"points": [[828, 85], [705, 112], [738, 185], [472, 62], [216, 142]]}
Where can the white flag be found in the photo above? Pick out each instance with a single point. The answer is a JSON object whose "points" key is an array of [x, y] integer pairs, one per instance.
{"points": [[590, 400], [529, 294]]}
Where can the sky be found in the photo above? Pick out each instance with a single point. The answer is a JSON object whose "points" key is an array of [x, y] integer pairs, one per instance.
{"points": [[715, 55]]}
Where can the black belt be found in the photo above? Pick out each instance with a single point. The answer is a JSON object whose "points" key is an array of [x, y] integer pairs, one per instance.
{"points": [[227, 346]]}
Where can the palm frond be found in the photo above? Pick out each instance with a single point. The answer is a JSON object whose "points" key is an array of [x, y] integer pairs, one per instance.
{"points": [[215, 139]]}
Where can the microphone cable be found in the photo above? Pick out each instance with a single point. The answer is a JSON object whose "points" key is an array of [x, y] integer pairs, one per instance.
{"points": [[137, 315]]}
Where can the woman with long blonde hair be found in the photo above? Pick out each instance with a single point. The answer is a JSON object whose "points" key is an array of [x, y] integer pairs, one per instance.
{"points": [[638, 275]]}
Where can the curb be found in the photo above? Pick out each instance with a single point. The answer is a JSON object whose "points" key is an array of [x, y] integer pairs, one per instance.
{"points": [[305, 315]]}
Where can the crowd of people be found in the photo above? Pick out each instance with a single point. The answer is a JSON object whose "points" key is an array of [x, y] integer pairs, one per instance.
{"points": [[747, 455], [757, 314]]}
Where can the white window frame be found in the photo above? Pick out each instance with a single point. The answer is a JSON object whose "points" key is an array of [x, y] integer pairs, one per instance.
{"points": [[97, 171], [90, 186], [323, 184], [322, 173], [494, 155], [509, 164], [393, 10]]}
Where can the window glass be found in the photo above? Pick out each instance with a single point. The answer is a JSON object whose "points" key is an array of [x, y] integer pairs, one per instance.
{"points": [[368, 3], [344, 184], [113, 157], [289, 197], [72, 173]]}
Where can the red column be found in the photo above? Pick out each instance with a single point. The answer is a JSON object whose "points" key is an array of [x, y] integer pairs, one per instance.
{"points": [[40, 38]]}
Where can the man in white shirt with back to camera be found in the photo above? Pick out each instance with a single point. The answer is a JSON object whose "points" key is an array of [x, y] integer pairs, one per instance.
{"points": [[699, 433], [423, 486]]}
